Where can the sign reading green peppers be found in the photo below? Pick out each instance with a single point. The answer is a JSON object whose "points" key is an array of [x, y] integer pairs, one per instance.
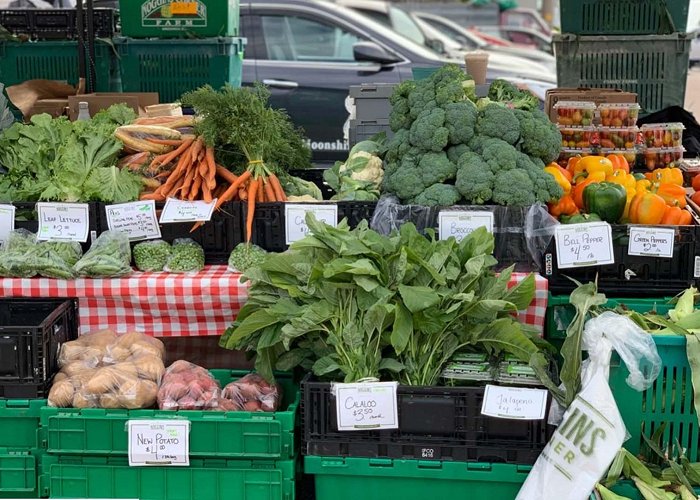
{"points": [[606, 199]]}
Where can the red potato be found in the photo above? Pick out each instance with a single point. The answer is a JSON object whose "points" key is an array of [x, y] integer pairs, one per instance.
{"points": [[188, 403], [224, 404], [252, 406]]}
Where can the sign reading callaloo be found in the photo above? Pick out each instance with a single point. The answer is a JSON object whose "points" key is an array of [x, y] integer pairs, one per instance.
{"points": [[176, 15]]}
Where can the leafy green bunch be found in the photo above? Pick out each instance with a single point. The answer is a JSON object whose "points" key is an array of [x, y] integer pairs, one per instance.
{"points": [[354, 304]]}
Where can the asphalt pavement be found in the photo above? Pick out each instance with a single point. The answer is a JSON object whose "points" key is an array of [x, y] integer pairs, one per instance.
{"points": [[692, 92]]}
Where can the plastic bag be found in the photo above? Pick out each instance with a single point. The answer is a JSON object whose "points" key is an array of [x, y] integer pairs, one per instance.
{"points": [[186, 256], [108, 257], [245, 256], [522, 234], [251, 393], [592, 430], [17, 260], [187, 386], [151, 256]]}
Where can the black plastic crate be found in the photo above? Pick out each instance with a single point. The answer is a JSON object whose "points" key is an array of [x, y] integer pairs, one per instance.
{"points": [[435, 423], [26, 218], [315, 175], [630, 275], [218, 237], [269, 221], [56, 24], [31, 334]]}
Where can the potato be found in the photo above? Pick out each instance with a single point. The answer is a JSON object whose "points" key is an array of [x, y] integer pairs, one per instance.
{"points": [[149, 367], [187, 403], [118, 354], [59, 377], [74, 368], [175, 390], [180, 366], [80, 400], [70, 351], [252, 406], [145, 347], [61, 394], [228, 405], [105, 380], [110, 400], [99, 340], [137, 394], [127, 369]]}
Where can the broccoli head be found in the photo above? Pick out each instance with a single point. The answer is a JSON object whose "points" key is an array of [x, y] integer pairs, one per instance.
{"points": [[507, 93], [421, 98], [436, 168], [397, 146], [400, 116], [539, 136], [495, 120], [455, 152], [474, 179], [428, 132], [499, 155], [545, 186], [404, 178], [450, 84], [460, 119], [513, 187], [442, 195]]}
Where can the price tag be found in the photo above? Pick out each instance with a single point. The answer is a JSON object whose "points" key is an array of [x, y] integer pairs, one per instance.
{"points": [[651, 241], [514, 403], [295, 217], [366, 406], [7, 223], [63, 221], [159, 442], [461, 223], [183, 8], [137, 219], [186, 211], [583, 245]]}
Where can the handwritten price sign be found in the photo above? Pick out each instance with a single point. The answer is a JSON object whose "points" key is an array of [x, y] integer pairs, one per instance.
{"points": [[584, 245], [63, 221], [137, 219], [366, 406], [159, 442], [651, 241]]}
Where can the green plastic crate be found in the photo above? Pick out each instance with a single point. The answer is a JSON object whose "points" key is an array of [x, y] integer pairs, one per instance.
{"points": [[623, 17], [55, 60], [19, 423], [560, 312], [173, 67], [669, 399], [236, 434], [18, 474], [201, 18], [653, 66], [101, 477], [385, 479]]}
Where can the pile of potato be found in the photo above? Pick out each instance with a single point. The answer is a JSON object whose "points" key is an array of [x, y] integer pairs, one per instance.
{"points": [[105, 370], [251, 393]]}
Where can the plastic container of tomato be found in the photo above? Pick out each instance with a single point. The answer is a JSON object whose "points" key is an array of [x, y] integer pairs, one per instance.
{"points": [[566, 154], [629, 154], [618, 114], [577, 137], [575, 113], [662, 157], [617, 137], [663, 135]]}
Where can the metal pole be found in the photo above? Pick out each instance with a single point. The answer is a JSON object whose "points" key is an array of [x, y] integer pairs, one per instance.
{"points": [[81, 39], [91, 47]]}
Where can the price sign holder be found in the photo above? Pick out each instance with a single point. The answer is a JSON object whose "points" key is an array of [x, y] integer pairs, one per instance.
{"points": [[159, 442], [460, 223], [584, 245], [138, 219], [515, 403], [63, 221], [651, 241], [295, 218], [7, 223], [368, 405], [186, 211]]}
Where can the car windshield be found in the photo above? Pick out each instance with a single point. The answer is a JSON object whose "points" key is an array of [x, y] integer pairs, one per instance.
{"points": [[454, 33], [404, 25]]}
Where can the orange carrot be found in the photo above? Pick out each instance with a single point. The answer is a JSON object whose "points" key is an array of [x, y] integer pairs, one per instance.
{"points": [[211, 163], [226, 174], [269, 193], [252, 195], [243, 194], [206, 193], [196, 185], [164, 159], [189, 178], [196, 148], [259, 193], [277, 188]]}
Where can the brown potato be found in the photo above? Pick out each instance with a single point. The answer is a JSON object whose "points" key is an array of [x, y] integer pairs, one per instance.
{"points": [[100, 339], [118, 353], [137, 394], [59, 376], [143, 347], [106, 379], [110, 400], [127, 369], [149, 367], [61, 394], [74, 368], [80, 400]]}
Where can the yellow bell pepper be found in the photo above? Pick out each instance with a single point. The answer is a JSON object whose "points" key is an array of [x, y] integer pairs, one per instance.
{"points": [[627, 181], [668, 175], [591, 164], [643, 186], [560, 178]]}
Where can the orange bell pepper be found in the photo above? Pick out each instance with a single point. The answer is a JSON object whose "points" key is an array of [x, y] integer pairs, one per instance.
{"points": [[565, 206], [571, 165], [673, 194], [676, 216], [668, 175], [695, 198], [647, 208], [577, 191], [619, 162]]}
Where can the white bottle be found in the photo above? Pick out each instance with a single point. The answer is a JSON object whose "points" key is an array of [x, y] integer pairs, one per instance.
{"points": [[83, 111]]}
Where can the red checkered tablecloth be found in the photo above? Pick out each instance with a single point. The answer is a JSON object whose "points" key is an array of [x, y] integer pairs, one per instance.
{"points": [[161, 304], [177, 305]]}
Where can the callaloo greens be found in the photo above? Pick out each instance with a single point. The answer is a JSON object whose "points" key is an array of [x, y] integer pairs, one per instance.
{"points": [[353, 304]]}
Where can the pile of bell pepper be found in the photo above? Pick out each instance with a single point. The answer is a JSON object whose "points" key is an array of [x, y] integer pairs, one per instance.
{"points": [[601, 188]]}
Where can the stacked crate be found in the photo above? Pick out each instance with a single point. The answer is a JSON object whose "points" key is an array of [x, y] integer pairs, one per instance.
{"points": [[175, 47], [639, 46]]}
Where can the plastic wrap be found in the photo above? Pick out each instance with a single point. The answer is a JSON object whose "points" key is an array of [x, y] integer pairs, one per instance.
{"points": [[186, 256], [522, 233], [109, 256], [151, 256], [187, 386], [17, 259], [104, 370], [245, 256], [251, 393]]}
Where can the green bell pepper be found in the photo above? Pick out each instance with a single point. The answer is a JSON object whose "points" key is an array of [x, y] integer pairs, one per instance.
{"points": [[607, 199], [579, 218]]}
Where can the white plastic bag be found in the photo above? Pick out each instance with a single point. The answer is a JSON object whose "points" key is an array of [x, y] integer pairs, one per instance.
{"points": [[592, 431]]}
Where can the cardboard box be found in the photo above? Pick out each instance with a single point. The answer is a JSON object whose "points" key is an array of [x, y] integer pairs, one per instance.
{"points": [[596, 95], [54, 107], [102, 100]]}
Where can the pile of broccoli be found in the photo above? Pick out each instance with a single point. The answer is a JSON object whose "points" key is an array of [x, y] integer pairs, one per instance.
{"points": [[450, 147]]}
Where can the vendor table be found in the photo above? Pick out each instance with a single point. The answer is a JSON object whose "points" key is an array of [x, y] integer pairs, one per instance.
{"points": [[177, 305]]}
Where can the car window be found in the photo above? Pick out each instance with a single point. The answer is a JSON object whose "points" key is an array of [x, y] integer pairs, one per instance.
{"points": [[294, 38], [380, 17], [402, 23]]}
